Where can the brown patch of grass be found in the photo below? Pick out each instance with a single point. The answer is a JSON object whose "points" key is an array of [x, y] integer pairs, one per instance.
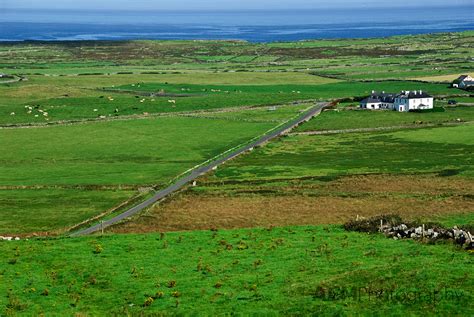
{"points": [[336, 202], [410, 184]]}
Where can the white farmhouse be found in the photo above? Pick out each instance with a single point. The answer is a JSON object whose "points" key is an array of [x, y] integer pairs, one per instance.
{"points": [[463, 82], [413, 100], [402, 102]]}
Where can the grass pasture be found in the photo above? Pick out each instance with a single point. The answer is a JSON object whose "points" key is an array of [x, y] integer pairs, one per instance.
{"points": [[143, 152], [40, 211], [215, 203], [242, 271], [329, 179], [118, 155], [272, 243], [337, 155]]}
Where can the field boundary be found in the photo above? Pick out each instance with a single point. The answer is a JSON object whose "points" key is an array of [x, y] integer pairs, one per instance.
{"points": [[148, 116], [390, 128]]}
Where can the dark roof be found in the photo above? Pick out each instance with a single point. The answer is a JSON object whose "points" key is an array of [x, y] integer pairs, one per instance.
{"points": [[380, 97], [414, 94], [462, 77], [370, 100], [390, 97]]}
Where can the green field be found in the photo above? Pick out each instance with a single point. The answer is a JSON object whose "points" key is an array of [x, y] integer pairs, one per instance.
{"points": [[187, 98], [417, 151], [143, 152], [136, 153], [292, 270], [94, 127], [53, 210]]}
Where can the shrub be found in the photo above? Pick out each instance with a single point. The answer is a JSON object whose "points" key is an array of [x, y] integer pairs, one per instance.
{"points": [[435, 109], [176, 294], [98, 249], [148, 301]]}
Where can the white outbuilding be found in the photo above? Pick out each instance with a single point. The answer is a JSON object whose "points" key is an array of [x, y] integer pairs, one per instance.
{"points": [[463, 82]]}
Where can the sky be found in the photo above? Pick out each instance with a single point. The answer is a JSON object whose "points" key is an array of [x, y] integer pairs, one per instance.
{"points": [[217, 4]]}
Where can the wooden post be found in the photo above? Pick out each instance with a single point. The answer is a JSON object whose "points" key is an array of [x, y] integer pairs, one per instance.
{"points": [[381, 225], [423, 231]]}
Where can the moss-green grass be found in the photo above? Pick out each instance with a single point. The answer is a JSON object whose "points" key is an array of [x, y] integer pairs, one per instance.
{"points": [[414, 151], [140, 153], [294, 270], [147, 151], [52, 210], [93, 104]]}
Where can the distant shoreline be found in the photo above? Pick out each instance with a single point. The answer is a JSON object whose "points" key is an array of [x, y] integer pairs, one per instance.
{"points": [[252, 26], [252, 38]]}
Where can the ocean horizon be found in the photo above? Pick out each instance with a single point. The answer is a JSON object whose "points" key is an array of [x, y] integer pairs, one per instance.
{"points": [[253, 26]]}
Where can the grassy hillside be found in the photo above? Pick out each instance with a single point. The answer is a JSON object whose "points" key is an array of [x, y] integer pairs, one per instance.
{"points": [[291, 270]]}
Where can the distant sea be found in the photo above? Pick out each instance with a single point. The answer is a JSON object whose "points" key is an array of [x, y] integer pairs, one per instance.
{"points": [[254, 26]]}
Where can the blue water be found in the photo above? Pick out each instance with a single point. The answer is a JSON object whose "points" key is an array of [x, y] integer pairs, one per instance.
{"points": [[255, 26]]}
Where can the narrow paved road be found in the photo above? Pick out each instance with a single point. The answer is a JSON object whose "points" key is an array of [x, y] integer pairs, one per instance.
{"points": [[314, 111]]}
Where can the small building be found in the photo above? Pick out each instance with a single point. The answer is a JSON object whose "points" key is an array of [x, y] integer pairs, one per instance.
{"points": [[378, 101], [463, 82], [402, 102]]}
